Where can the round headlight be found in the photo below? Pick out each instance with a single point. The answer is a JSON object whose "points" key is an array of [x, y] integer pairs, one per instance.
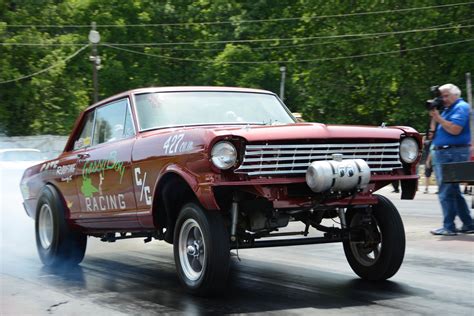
{"points": [[409, 150], [223, 155]]}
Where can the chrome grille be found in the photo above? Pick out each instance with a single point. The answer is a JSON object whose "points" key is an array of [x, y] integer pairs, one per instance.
{"points": [[269, 159]]}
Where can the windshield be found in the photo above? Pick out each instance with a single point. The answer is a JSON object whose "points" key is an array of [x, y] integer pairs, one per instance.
{"points": [[162, 109]]}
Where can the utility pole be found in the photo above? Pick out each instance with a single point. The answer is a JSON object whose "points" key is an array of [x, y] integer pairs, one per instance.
{"points": [[282, 82], [469, 100], [94, 39]]}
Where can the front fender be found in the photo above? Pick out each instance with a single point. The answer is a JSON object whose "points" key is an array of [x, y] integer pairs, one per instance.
{"points": [[198, 184]]}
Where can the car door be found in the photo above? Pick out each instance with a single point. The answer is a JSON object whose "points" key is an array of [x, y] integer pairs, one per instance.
{"points": [[72, 157], [104, 176]]}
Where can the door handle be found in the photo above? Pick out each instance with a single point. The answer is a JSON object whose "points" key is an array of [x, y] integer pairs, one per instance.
{"points": [[83, 156]]}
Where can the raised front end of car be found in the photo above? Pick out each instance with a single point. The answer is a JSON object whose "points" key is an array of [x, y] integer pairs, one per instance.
{"points": [[283, 190], [211, 169]]}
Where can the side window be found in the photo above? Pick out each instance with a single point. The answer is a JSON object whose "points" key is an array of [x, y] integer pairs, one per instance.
{"points": [[113, 122], [85, 137], [128, 125]]}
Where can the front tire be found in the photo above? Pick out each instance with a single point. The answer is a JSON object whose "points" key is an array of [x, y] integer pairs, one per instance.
{"points": [[381, 253], [201, 250], [57, 244]]}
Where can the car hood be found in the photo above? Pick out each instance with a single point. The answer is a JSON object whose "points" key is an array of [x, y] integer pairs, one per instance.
{"points": [[310, 131]]}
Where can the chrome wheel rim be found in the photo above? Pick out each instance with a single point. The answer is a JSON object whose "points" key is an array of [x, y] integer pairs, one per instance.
{"points": [[45, 226], [192, 253], [366, 253]]}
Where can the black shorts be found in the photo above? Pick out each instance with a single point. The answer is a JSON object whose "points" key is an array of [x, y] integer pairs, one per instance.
{"points": [[428, 171]]}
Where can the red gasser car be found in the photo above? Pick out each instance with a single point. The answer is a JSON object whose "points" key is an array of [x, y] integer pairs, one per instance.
{"points": [[211, 169]]}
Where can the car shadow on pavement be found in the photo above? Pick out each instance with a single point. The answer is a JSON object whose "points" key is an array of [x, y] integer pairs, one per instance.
{"points": [[143, 285]]}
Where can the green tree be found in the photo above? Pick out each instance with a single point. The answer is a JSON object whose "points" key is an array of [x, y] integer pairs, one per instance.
{"points": [[369, 88]]}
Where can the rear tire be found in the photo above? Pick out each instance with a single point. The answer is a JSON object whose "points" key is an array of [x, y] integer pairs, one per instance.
{"points": [[201, 250], [374, 260], [56, 242]]}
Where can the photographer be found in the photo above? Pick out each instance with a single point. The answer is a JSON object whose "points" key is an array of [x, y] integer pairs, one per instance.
{"points": [[451, 144]]}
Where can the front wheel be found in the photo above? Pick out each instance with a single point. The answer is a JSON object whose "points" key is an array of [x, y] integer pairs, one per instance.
{"points": [[56, 242], [378, 250], [201, 249]]}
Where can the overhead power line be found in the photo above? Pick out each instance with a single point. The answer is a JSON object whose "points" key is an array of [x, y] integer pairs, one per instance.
{"points": [[273, 47], [289, 61], [437, 27], [312, 44], [244, 21], [41, 44], [263, 40], [48, 68]]}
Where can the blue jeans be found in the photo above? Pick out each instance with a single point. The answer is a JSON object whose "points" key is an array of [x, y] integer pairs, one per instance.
{"points": [[450, 197]]}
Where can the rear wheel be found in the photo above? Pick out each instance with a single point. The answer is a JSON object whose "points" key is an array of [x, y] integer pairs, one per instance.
{"points": [[56, 242], [378, 250], [201, 249]]}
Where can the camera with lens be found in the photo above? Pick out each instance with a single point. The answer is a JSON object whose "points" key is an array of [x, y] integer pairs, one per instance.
{"points": [[437, 102]]}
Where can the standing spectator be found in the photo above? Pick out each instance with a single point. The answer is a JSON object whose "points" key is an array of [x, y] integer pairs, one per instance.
{"points": [[426, 159], [428, 172], [451, 143], [396, 186]]}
